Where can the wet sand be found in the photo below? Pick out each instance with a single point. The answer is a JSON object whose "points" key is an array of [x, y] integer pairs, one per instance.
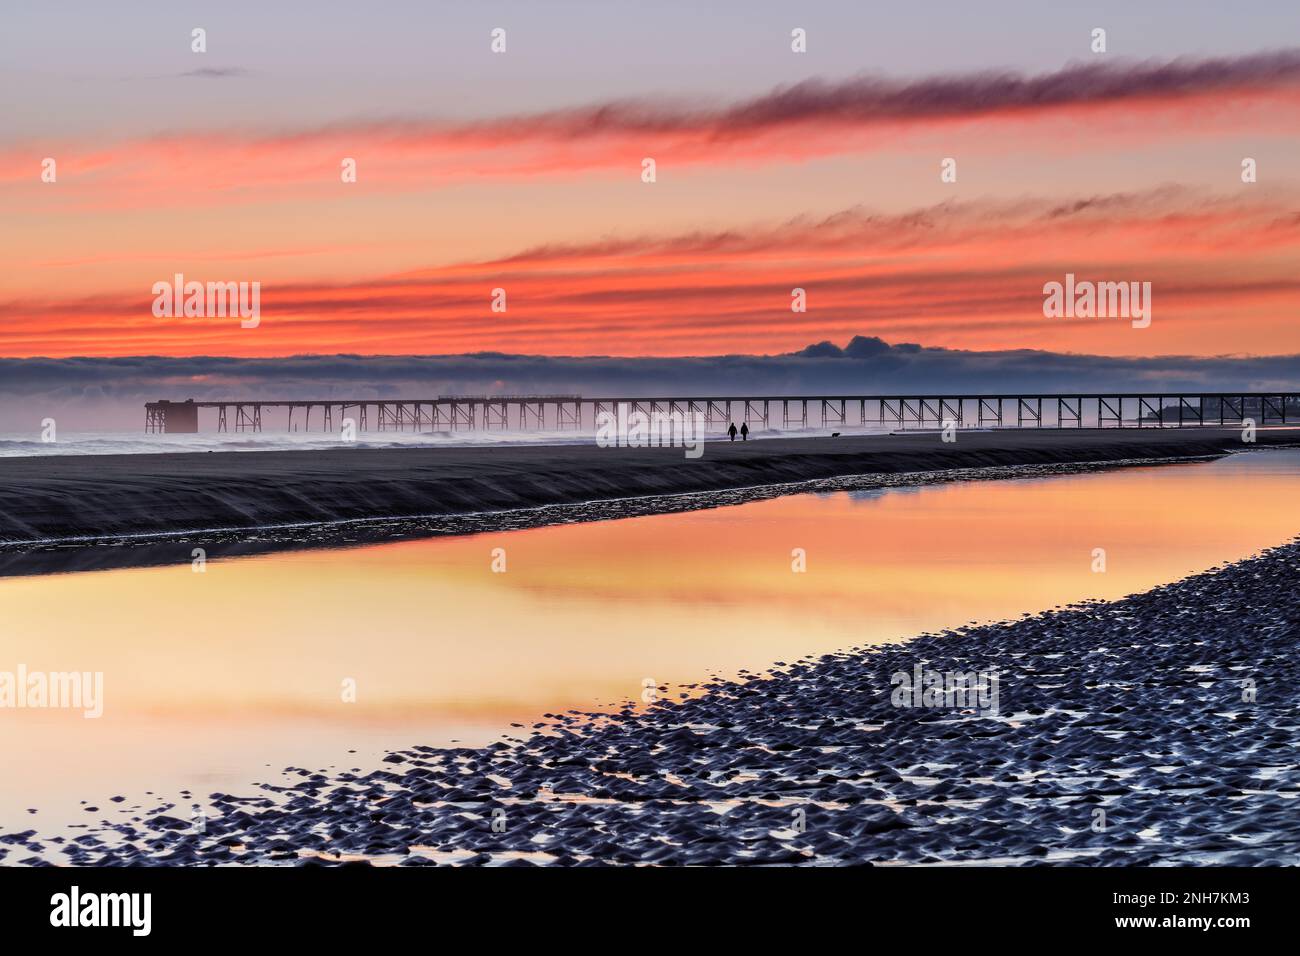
{"points": [[50, 505], [1160, 728]]}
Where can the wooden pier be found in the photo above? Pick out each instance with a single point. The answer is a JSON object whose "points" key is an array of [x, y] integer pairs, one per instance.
{"points": [[452, 413]]}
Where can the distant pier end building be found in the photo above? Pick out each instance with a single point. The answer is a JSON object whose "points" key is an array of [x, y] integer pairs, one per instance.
{"points": [[174, 418]]}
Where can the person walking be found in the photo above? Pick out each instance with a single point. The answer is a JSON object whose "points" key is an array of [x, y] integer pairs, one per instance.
{"points": [[732, 431], [744, 431]]}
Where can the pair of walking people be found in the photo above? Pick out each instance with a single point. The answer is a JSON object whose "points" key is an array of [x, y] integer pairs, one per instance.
{"points": [[744, 431]]}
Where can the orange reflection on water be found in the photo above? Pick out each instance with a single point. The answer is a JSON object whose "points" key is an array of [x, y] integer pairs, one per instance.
{"points": [[210, 676]]}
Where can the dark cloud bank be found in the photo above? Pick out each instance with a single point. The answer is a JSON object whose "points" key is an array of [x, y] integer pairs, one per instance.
{"points": [[110, 392], [862, 100]]}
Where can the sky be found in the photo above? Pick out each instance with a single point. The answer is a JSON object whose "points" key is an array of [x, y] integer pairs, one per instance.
{"points": [[523, 171]]}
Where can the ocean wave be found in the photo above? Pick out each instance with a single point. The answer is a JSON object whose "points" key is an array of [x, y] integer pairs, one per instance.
{"points": [[135, 443]]}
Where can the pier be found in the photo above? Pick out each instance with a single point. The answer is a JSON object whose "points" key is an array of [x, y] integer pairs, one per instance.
{"points": [[786, 412]]}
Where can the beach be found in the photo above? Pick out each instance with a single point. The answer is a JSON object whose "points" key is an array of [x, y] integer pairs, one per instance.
{"points": [[1157, 727], [54, 508], [1160, 728]]}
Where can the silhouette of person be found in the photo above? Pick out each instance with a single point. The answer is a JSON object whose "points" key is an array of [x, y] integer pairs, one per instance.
{"points": [[744, 431], [732, 431]]}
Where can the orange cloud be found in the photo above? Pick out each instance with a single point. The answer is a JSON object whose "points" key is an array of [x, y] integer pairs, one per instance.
{"points": [[1115, 101], [957, 274]]}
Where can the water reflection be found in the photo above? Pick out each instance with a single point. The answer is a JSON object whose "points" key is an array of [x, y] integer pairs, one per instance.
{"points": [[218, 679]]}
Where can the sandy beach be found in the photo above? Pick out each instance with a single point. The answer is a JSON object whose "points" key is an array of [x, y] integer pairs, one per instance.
{"points": [[1154, 729], [48, 503]]}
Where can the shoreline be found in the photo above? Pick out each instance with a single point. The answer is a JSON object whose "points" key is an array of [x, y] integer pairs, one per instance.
{"points": [[815, 762], [69, 514], [167, 548]]}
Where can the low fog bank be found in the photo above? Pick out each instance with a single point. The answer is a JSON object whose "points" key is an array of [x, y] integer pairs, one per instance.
{"points": [[109, 393]]}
